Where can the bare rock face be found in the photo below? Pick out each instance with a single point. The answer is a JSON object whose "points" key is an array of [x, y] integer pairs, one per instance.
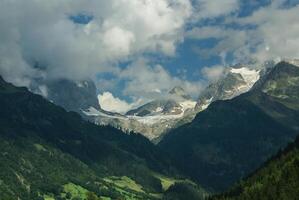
{"points": [[73, 96]]}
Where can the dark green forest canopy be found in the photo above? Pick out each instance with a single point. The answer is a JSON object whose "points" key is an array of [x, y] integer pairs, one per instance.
{"points": [[278, 178]]}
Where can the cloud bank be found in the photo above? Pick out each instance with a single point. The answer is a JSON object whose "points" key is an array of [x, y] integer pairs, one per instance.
{"points": [[269, 33], [39, 39]]}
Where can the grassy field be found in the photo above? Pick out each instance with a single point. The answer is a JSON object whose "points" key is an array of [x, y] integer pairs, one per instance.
{"points": [[74, 190], [47, 197], [167, 182], [125, 183], [127, 187]]}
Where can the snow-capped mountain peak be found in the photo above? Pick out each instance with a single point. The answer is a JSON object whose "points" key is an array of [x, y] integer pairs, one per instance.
{"points": [[250, 76], [237, 80]]}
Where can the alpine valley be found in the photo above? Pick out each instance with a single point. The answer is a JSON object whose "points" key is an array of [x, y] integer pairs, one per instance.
{"points": [[236, 140], [49, 153], [149, 100]]}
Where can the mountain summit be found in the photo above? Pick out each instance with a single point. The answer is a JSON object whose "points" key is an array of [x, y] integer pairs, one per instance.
{"points": [[235, 81], [180, 92]]}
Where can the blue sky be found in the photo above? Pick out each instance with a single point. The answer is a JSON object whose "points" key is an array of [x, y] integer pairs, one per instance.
{"points": [[138, 50]]}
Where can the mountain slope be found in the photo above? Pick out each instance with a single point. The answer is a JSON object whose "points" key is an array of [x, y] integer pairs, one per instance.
{"points": [[231, 138], [277, 179], [48, 151]]}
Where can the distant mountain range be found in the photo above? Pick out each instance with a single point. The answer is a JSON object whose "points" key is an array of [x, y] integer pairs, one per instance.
{"points": [[156, 118], [151, 119]]}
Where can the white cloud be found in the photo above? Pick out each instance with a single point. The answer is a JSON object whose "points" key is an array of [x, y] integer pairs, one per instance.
{"points": [[113, 104], [118, 41], [238, 42], [273, 33], [277, 30], [215, 8], [41, 31], [213, 73]]}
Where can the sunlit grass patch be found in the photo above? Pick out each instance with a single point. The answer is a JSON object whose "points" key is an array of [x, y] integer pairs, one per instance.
{"points": [[75, 191], [124, 182]]}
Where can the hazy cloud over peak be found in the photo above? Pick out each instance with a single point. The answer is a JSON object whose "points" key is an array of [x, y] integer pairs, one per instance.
{"points": [[152, 81], [213, 73]]}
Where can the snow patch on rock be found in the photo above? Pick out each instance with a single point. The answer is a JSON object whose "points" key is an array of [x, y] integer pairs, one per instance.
{"points": [[249, 76]]}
